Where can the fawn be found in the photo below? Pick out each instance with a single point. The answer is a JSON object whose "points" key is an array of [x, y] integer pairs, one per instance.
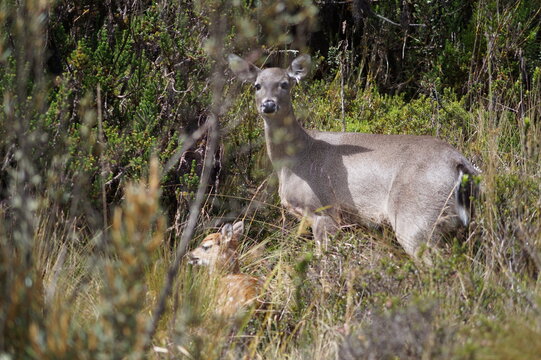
{"points": [[219, 252]]}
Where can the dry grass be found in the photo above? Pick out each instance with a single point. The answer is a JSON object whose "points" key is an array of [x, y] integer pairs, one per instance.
{"points": [[75, 287]]}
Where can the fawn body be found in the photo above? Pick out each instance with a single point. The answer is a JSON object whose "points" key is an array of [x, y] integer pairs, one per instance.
{"points": [[415, 184], [219, 252]]}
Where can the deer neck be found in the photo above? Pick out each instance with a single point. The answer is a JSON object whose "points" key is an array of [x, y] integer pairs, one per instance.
{"points": [[228, 262], [286, 139]]}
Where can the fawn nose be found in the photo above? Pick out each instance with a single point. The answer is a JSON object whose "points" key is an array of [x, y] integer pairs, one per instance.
{"points": [[269, 106], [192, 259]]}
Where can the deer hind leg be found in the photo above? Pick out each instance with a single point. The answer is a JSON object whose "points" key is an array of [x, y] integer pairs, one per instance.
{"points": [[323, 226], [412, 234]]}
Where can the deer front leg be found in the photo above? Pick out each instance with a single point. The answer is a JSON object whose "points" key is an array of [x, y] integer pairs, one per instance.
{"points": [[323, 226]]}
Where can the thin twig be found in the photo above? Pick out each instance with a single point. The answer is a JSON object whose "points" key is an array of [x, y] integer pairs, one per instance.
{"points": [[102, 160], [187, 234], [342, 86], [187, 142]]}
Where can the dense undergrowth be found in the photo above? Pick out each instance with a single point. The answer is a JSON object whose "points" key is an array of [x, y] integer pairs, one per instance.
{"points": [[108, 115]]}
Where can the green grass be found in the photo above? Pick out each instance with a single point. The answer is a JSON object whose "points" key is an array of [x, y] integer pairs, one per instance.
{"points": [[362, 298], [79, 285]]}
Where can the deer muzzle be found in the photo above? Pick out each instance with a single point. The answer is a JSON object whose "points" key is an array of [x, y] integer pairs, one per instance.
{"points": [[269, 107], [192, 260]]}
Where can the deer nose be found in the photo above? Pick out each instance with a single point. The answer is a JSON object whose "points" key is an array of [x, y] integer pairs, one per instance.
{"points": [[193, 260], [269, 106]]}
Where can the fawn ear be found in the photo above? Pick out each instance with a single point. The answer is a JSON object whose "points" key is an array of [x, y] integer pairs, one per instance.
{"points": [[244, 70], [238, 229], [227, 233], [299, 67]]}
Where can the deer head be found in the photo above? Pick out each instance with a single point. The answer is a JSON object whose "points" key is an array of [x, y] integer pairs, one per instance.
{"points": [[273, 85], [219, 250]]}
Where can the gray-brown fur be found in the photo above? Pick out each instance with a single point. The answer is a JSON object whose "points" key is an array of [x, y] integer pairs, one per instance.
{"points": [[408, 182]]}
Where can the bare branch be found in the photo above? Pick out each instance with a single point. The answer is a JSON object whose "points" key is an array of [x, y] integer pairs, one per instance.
{"points": [[187, 234]]}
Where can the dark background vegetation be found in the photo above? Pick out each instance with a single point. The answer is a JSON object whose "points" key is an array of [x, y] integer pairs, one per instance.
{"points": [[91, 90]]}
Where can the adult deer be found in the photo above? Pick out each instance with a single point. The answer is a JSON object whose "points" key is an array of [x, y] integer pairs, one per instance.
{"points": [[419, 185]]}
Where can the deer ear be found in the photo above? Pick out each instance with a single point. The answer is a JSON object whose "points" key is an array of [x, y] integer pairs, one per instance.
{"points": [[242, 69], [238, 229], [227, 233], [300, 67]]}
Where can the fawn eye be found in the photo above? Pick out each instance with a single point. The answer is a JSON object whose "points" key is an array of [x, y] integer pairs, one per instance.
{"points": [[257, 87], [206, 247], [284, 85]]}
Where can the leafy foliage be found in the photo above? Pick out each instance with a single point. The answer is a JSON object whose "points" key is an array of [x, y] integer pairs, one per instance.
{"points": [[92, 91]]}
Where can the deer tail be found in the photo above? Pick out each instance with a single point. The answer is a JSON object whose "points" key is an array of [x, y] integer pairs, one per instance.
{"points": [[465, 190]]}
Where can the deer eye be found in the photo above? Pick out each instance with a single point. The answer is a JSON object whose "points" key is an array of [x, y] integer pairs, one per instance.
{"points": [[257, 87], [206, 247], [284, 85]]}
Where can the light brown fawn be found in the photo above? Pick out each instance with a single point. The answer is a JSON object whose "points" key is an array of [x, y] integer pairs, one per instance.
{"points": [[419, 185], [219, 252]]}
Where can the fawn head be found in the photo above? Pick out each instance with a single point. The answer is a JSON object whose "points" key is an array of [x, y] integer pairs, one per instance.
{"points": [[219, 250], [273, 85]]}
